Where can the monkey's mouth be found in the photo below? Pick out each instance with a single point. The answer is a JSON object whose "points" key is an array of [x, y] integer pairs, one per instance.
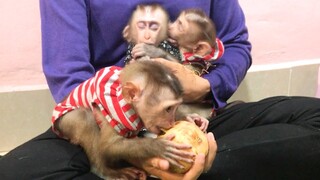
{"points": [[162, 132], [148, 134]]}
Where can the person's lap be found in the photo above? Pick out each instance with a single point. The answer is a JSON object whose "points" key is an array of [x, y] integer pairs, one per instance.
{"points": [[46, 157], [276, 151], [303, 111]]}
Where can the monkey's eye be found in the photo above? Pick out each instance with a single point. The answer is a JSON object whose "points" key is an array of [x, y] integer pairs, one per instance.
{"points": [[169, 109], [141, 25], [154, 26]]}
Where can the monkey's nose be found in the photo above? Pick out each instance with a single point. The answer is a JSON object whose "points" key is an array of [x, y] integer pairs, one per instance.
{"points": [[147, 35], [171, 124]]}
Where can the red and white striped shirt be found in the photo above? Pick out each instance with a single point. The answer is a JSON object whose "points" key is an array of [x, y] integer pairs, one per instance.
{"points": [[104, 89], [216, 53]]}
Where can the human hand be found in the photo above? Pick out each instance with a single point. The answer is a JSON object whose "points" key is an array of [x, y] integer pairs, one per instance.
{"points": [[200, 121], [159, 167], [130, 173], [195, 87]]}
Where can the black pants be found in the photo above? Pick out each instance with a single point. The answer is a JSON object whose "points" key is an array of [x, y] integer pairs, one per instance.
{"points": [[276, 138]]}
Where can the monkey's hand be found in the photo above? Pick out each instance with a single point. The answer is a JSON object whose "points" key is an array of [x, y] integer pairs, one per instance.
{"points": [[200, 121], [175, 152], [159, 167], [143, 49]]}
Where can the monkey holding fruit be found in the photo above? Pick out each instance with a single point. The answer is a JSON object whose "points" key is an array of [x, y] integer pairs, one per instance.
{"points": [[144, 94], [187, 133]]}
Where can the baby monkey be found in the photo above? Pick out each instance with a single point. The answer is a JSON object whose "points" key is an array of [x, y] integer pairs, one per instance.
{"points": [[146, 32], [144, 94], [195, 35]]}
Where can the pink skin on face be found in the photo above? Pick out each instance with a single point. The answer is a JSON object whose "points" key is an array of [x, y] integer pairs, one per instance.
{"points": [[148, 25]]}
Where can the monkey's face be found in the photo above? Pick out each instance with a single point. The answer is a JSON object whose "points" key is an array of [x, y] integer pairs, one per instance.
{"points": [[149, 26], [183, 32], [160, 115]]}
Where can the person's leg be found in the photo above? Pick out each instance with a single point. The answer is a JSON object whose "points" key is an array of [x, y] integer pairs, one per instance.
{"points": [[276, 138], [46, 157], [303, 111], [277, 151]]}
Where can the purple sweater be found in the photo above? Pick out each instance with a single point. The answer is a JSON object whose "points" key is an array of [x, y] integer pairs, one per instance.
{"points": [[79, 37]]}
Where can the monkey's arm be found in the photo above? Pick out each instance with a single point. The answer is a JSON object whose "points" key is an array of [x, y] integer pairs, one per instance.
{"points": [[115, 148], [79, 126]]}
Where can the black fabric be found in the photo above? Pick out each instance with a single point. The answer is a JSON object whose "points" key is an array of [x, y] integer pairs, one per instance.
{"points": [[302, 111], [46, 157], [276, 138], [276, 151]]}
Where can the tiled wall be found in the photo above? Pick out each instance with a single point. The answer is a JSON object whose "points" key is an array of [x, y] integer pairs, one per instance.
{"points": [[26, 113], [282, 79]]}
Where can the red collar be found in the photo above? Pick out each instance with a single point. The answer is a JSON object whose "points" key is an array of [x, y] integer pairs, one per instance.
{"points": [[216, 53]]}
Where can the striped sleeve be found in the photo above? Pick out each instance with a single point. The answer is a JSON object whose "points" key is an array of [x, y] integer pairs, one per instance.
{"points": [[80, 97]]}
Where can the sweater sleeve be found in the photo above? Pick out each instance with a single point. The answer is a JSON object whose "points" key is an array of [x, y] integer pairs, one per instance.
{"points": [[232, 67], [65, 45]]}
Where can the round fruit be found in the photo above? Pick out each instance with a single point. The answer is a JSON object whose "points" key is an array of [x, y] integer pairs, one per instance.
{"points": [[187, 133]]}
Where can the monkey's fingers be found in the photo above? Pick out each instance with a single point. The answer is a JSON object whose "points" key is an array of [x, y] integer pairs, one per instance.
{"points": [[180, 153], [139, 50], [178, 145], [138, 54]]}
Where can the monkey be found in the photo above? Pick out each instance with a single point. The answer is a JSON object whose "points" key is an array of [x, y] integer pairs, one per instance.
{"points": [[195, 35], [147, 30], [144, 94]]}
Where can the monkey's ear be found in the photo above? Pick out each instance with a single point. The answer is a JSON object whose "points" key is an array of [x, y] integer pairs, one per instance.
{"points": [[202, 48], [125, 33], [130, 92]]}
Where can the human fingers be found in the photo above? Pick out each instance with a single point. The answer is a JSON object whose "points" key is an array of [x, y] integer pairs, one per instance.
{"points": [[157, 163], [196, 169], [212, 151], [134, 173], [194, 172]]}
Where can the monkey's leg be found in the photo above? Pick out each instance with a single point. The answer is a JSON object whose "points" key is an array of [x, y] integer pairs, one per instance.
{"points": [[79, 126]]}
